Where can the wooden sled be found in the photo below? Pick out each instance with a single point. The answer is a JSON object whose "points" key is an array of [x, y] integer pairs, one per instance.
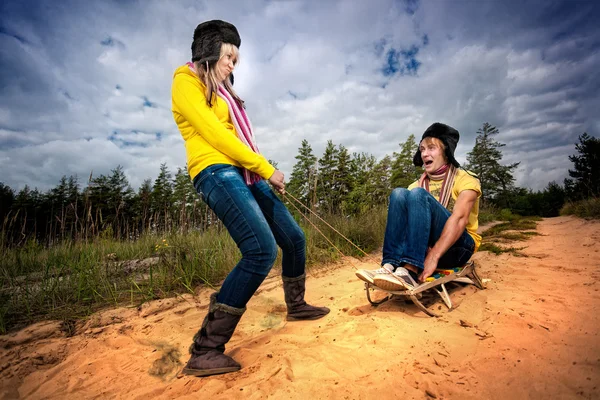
{"points": [[466, 274]]}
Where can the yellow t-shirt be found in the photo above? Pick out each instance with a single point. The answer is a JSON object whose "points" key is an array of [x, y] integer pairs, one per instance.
{"points": [[210, 136], [463, 181]]}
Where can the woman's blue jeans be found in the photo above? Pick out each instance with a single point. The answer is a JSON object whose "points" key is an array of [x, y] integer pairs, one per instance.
{"points": [[414, 224], [257, 221]]}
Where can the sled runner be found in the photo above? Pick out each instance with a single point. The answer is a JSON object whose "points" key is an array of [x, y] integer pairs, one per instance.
{"points": [[437, 282]]}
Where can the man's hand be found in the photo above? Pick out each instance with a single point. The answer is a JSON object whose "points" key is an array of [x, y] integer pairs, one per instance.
{"points": [[278, 181], [429, 266]]}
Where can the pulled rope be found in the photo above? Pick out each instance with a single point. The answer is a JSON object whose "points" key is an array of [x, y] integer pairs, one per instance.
{"points": [[326, 223], [318, 230]]}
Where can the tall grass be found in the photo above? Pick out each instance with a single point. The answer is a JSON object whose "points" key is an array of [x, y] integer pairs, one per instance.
{"points": [[588, 208], [71, 279]]}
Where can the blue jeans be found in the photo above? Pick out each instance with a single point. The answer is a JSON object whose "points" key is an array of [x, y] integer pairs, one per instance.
{"points": [[414, 223], [257, 221]]}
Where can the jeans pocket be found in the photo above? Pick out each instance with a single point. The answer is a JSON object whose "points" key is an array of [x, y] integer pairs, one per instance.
{"points": [[205, 181]]}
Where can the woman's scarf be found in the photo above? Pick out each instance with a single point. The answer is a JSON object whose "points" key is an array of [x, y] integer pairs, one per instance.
{"points": [[447, 173], [243, 128]]}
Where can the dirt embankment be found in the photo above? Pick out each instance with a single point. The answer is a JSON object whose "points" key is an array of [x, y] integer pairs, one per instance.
{"points": [[533, 333]]}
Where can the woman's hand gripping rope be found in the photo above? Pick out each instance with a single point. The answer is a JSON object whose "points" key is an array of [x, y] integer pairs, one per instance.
{"points": [[278, 181]]}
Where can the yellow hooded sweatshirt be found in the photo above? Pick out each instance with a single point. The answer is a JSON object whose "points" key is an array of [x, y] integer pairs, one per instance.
{"points": [[210, 136]]}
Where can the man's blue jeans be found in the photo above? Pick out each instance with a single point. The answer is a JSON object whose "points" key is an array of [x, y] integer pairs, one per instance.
{"points": [[257, 221], [414, 224]]}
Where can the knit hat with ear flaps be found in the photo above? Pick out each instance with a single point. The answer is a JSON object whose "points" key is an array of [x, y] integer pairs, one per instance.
{"points": [[448, 135], [208, 38]]}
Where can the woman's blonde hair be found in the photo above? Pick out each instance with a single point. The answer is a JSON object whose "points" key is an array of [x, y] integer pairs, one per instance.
{"points": [[208, 74]]}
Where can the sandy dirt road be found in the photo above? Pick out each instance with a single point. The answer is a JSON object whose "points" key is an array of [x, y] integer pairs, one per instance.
{"points": [[532, 334]]}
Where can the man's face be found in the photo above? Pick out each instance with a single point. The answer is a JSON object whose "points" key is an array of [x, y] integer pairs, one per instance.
{"points": [[432, 154]]}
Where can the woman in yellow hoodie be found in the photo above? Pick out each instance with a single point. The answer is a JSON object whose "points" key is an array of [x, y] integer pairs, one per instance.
{"points": [[229, 173]]}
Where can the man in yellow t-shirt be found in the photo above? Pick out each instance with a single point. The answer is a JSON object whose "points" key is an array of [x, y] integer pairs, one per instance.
{"points": [[432, 224]]}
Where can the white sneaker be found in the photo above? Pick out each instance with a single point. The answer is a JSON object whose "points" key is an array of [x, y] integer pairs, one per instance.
{"points": [[368, 275], [400, 279]]}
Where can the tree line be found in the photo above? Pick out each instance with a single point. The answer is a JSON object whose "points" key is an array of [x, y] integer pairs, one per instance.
{"points": [[107, 207], [335, 183]]}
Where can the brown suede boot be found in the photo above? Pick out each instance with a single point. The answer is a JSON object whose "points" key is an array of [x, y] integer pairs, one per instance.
{"points": [[208, 348], [297, 308]]}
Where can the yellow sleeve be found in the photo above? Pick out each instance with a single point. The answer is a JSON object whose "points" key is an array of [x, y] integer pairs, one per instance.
{"points": [[466, 182], [191, 104]]}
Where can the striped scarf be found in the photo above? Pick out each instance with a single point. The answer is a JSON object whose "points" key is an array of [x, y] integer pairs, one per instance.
{"points": [[447, 173], [243, 128]]}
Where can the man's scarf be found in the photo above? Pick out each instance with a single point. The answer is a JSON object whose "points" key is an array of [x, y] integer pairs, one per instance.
{"points": [[447, 173], [243, 128]]}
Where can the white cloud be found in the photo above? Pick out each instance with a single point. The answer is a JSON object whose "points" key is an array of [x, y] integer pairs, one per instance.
{"points": [[309, 70]]}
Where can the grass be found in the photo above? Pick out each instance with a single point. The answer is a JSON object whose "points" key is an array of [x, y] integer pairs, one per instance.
{"points": [[588, 208], [497, 250], [71, 280], [515, 229], [515, 225]]}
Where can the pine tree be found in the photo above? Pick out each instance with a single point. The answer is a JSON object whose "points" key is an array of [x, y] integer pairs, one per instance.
{"points": [[586, 172], [143, 206], [29, 204], [381, 181], [119, 200], [361, 171], [404, 172], [97, 195], [327, 176], [162, 193], [484, 160], [342, 186], [58, 195], [304, 174], [7, 198], [73, 189], [61, 210], [184, 198]]}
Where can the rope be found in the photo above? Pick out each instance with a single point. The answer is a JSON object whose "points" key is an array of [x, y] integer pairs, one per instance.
{"points": [[318, 230], [326, 223]]}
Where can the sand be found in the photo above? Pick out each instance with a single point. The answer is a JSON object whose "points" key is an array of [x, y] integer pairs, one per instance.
{"points": [[532, 334]]}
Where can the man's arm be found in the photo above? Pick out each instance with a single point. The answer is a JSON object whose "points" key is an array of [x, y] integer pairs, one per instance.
{"points": [[455, 226]]}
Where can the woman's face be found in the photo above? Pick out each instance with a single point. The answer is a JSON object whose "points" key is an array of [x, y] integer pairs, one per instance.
{"points": [[226, 64]]}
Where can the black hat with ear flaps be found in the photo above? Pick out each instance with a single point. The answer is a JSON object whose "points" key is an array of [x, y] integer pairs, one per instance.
{"points": [[209, 36], [448, 135]]}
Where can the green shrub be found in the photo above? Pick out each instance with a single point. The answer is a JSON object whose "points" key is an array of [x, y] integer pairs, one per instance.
{"points": [[588, 208]]}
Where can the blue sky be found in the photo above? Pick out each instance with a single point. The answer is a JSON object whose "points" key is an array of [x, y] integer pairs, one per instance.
{"points": [[86, 85]]}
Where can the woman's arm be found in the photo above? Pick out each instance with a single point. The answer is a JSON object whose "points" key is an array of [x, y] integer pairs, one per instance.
{"points": [[190, 102]]}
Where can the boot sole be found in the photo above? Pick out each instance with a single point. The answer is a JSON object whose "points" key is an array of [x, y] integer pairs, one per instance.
{"points": [[288, 318], [391, 283], [208, 372], [365, 276]]}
